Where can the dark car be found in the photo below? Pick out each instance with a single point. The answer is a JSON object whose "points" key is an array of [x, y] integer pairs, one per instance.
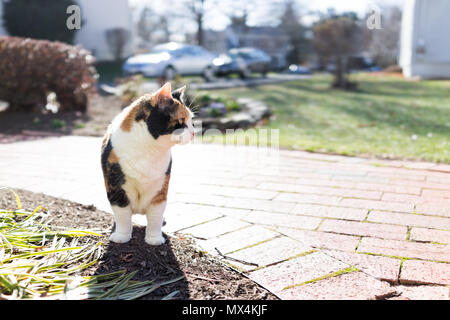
{"points": [[243, 61]]}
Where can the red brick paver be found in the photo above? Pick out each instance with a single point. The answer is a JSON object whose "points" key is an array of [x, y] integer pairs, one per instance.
{"points": [[312, 226], [354, 285], [269, 252], [383, 268], [422, 293], [414, 271], [430, 235], [364, 229], [405, 249], [297, 271]]}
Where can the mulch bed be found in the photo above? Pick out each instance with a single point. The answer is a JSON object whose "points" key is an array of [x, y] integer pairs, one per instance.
{"points": [[205, 277], [19, 126]]}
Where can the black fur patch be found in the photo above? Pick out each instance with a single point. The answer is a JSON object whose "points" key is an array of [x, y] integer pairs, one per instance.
{"points": [[158, 123], [169, 169], [114, 179], [177, 95]]}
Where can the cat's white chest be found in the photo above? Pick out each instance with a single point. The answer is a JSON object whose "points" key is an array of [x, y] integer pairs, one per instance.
{"points": [[139, 155], [143, 162]]}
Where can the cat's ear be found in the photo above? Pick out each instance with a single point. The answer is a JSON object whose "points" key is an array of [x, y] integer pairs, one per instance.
{"points": [[179, 94], [164, 96]]}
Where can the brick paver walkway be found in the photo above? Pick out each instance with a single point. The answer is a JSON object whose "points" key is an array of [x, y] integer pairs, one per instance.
{"points": [[303, 225]]}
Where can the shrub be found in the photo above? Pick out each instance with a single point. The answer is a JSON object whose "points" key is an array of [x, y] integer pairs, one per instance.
{"points": [[57, 123], [32, 69], [233, 106]]}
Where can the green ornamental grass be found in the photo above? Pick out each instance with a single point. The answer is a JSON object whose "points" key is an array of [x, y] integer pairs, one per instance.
{"points": [[38, 261]]}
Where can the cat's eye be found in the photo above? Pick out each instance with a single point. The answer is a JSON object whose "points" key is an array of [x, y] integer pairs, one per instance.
{"points": [[180, 121]]}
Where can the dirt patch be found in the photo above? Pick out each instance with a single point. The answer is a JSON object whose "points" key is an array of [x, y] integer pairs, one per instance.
{"points": [[205, 277], [17, 126]]}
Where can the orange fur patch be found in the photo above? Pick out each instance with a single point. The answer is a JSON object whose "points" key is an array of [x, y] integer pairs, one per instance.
{"points": [[106, 137], [161, 196], [182, 112], [137, 106], [128, 120], [113, 157]]}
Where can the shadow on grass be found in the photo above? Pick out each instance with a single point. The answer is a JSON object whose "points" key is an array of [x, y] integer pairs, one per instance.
{"points": [[382, 104], [400, 117]]}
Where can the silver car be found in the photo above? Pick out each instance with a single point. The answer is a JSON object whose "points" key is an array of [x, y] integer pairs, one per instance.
{"points": [[169, 59]]}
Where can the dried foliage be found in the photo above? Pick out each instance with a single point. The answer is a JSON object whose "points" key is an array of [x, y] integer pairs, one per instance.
{"points": [[32, 69]]}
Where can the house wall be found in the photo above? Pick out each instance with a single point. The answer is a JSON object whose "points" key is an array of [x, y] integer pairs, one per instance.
{"points": [[2, 30], [99, 16], [425, 42]]}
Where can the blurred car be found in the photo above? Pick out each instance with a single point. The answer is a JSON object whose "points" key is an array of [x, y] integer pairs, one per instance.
{"points": [[296, 69], [242, 61], [362, 64], [170, 59], [356, 64]]}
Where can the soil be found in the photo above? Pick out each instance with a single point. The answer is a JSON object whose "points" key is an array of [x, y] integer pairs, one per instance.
{"points": [[205, 277], [19, 126]]}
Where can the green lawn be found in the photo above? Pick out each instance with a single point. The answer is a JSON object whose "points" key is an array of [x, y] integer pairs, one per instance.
{"points": [[387, 117]]}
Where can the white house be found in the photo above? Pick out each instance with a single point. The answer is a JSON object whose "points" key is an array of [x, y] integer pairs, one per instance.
{"points": [[98, 17], [425, 39]]}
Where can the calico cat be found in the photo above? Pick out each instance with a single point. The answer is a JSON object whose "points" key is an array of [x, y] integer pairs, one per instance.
{"points": [[136, 159]]}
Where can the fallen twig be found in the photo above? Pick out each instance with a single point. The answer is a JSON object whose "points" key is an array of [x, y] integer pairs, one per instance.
{"points": [[202, 278]]}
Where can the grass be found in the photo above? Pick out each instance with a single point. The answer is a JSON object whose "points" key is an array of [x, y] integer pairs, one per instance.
{"points": [[38, 261], [387, 117]]}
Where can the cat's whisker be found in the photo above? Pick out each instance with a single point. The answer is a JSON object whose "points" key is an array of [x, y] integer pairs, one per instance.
{"points": [[193, 100], [195, 109]]}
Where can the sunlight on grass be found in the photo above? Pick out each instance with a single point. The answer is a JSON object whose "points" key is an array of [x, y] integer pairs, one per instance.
{"points": [[387, 117], [38, 261]]}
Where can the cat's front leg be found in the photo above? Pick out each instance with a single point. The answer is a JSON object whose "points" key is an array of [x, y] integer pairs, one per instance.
{"points": [[153, 234], [124, 227]]}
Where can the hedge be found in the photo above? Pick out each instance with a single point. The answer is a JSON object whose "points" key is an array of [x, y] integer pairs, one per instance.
{"points": [[32, 69]]}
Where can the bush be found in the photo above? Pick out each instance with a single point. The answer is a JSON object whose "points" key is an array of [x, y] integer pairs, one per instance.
{"points": [[32, 69], [233, 106]]}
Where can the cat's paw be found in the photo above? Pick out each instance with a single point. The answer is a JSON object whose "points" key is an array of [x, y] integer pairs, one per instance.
{"points": [[119, 237], [155, 241]]}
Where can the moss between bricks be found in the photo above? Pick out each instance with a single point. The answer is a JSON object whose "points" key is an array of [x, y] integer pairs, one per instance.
{"points": [[400, 258], [254, 245], [274, 263], [327, 276]]}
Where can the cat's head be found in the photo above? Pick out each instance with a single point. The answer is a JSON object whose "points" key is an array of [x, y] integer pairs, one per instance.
{"points": [[169, 118]]}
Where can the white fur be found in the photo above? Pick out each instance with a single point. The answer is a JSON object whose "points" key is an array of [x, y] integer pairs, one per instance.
{"points": [[144, 161]]}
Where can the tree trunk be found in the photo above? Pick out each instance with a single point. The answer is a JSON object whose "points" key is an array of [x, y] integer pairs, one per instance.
{"points": [[200, 30], [340, 77]]}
